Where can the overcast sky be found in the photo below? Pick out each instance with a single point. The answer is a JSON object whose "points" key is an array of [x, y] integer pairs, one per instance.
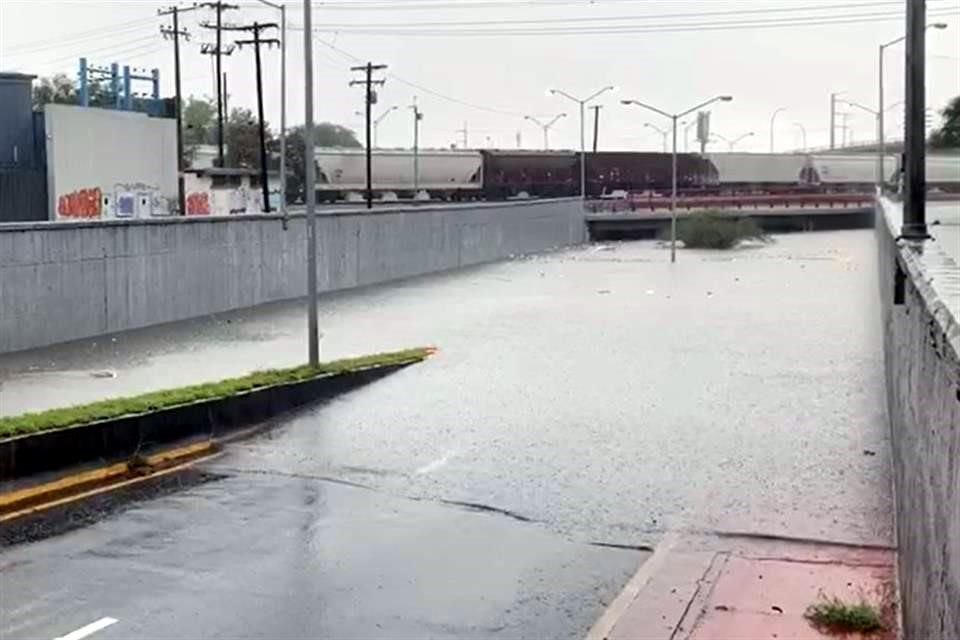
{"points": [[489, 62]]}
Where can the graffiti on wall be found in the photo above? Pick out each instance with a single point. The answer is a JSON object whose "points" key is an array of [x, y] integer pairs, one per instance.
{"points": [[81, 204], [125, 200], [198, 204]]}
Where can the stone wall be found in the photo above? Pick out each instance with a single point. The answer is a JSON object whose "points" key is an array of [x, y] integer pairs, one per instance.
{"points": [[922, 343], [69, 280]]}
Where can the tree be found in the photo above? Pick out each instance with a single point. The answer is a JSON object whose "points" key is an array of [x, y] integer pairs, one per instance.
{"points": [[60, 89], [948, 135], [325, 134], [243, 139]]}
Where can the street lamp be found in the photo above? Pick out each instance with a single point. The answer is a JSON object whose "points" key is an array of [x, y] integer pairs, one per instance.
{"points": [[583, 141], [662, 132], [803, 132], [732, 143], [674, 117], [875, 114], [376, 122], [772, 120], [545, 127], [880, 109], [686, 132]]}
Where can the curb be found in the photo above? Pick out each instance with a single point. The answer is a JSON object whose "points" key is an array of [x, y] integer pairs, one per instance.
{"points": [[22, 502], [116, 441]]}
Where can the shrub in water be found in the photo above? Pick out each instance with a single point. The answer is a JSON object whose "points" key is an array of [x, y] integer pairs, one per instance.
{"points": [[710, 230]]}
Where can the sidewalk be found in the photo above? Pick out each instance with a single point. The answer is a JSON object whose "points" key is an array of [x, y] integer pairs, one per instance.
{"points": [[733, 587]]}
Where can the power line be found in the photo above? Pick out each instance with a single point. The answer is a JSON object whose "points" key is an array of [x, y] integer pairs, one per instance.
{"points": [[661, 28], [419, 87], [92, 34], [630, 18]]}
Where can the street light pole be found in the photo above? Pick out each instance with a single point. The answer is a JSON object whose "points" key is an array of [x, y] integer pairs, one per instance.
{"points": [[546, 127], [583, 140], [877, 115], [803, 131], [673, 178], [378, 120], [880, 108], [662, 132], [310, 187], [772, 120]]}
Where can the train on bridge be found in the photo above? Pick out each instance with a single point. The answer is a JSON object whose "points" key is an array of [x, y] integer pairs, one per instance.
{"points": [[459, 175]]}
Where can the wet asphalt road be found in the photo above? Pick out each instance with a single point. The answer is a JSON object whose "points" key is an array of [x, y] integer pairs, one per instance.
{"points": [[599, 394]]}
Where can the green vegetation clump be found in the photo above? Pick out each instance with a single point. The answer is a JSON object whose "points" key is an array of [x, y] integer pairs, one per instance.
{"points": [[156, 400], [711, 230], [835, 615]]}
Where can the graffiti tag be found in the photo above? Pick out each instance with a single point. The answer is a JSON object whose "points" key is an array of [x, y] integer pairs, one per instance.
{"points": [[198, 204], [85, 203]]}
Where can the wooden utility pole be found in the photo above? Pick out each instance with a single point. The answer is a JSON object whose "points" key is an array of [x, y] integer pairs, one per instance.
{"points": [[174, 33], [257, 41], [219, 51], [596, 124], [370, 99]]}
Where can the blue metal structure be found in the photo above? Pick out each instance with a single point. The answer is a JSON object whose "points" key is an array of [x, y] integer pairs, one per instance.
{"points": [[121, 86]]}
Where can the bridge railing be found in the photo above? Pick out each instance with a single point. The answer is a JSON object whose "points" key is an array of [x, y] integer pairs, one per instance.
{"points": [[764, 201]]}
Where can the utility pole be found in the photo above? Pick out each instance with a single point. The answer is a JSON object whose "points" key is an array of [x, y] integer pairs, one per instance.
{"points": [[417, 117], [226, 108], [310, 179], [464, 132], [174, 33], [915, 139], [833, 120], [370, 99], [257, 41], [218, 51], [596, 124]]}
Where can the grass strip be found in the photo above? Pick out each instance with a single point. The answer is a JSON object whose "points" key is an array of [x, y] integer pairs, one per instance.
{"points": [[156, 400]]}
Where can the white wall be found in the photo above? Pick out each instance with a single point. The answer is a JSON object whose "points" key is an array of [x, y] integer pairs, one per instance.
{"points": [[103, 163]]}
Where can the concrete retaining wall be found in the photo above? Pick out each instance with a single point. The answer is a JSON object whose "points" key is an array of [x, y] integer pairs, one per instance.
{"points": [[922, 343], [64, 281]]}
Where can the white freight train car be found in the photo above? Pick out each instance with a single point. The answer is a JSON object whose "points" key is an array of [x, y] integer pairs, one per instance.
{"points": [[766, 170], [443, 174]]}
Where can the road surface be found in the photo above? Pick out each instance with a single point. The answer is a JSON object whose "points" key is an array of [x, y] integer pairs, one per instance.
{"points": [[595, 395]]}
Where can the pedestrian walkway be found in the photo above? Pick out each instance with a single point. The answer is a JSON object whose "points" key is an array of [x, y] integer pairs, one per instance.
{"points": [[701, 588]]}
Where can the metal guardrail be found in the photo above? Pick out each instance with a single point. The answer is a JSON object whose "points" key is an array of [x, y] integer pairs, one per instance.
{"points": [[765, 201]]}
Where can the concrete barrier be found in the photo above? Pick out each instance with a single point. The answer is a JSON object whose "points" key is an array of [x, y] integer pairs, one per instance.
{"points": [[922, 343], [69, 280]]}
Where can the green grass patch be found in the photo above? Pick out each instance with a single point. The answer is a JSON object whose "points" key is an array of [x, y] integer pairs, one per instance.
{"points": [[835, 615], [712, 230], [156, 400]]}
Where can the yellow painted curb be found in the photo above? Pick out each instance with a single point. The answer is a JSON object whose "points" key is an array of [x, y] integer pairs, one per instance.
{"points": [[47, 492]]}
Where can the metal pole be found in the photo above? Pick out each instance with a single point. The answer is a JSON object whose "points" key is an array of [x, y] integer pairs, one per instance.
{"points": [[596, 125], [673, 196], [283, 109], [833, 115], [416, 148], [263, 138], [181, 189], [773, 119], [310, 180], [546, 140], [368, 103], [881, 136], [219, 80], [583, 156], [914, 201]]}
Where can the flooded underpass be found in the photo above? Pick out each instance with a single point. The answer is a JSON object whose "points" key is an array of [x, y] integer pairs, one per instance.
{"points": [[593, 396]]}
